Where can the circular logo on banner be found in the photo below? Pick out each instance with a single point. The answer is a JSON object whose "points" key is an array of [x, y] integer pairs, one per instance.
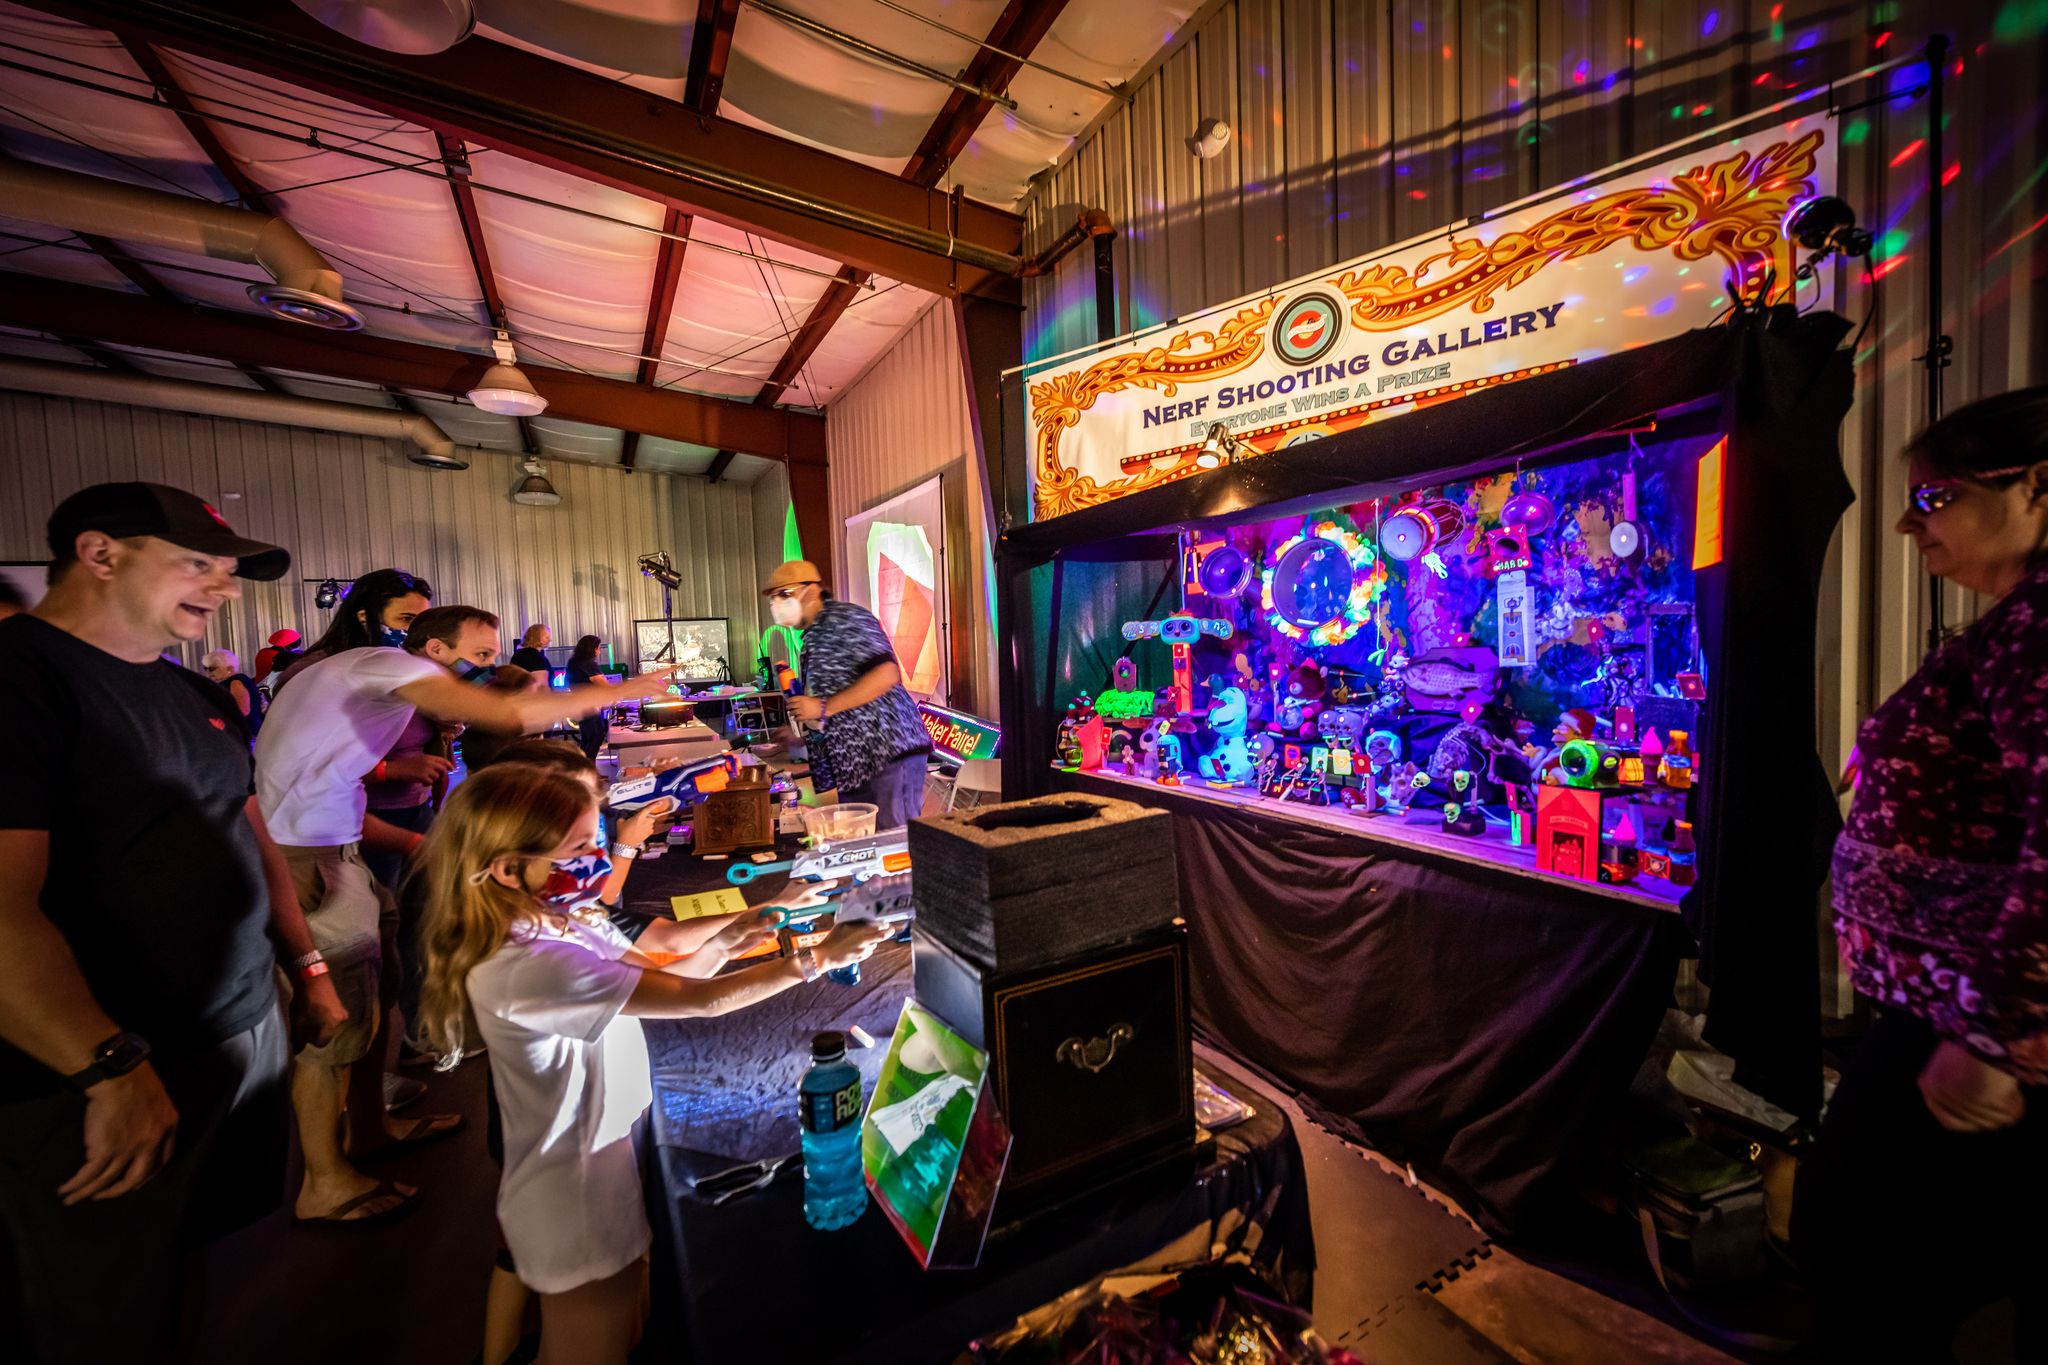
{"points": [[1307, 328]]}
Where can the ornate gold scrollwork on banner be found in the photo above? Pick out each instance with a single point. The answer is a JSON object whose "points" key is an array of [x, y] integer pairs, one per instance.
{"points": [[1730, 210], [1058, 403]]}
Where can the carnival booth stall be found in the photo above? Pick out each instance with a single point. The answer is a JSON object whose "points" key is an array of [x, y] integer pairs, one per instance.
{"points": [[1472, 722]]}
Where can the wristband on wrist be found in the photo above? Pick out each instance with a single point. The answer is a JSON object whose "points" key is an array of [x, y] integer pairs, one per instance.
{"points": [[305, 960], [625, 853], [308, 972], [378, 773], [414, 846], [806, 964]]}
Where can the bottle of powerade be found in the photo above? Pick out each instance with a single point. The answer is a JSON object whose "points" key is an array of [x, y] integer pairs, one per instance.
{"points": [[835, 1191]]}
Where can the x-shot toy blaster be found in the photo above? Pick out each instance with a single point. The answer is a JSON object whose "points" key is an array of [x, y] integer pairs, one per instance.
{"points": [[842, 860], [682, 784]]}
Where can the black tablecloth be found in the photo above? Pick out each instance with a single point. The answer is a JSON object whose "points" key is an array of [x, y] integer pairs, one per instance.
{"points": [[1477, 1021], [750, 1280]]}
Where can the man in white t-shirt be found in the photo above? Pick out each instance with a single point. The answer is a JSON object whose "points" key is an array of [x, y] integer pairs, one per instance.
{"points": [[322, 738]]}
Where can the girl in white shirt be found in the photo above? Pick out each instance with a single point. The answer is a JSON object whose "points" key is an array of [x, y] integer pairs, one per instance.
{"points": [[556, 995]]}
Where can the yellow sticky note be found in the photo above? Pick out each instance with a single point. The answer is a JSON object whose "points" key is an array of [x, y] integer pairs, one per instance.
{"points": [[726, 900]]}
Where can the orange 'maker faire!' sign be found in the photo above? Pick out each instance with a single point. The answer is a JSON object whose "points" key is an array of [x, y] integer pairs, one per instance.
{"points": [[1642, 255]]}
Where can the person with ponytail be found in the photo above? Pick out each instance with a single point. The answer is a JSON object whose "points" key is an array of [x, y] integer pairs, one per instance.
{"points": [[515, 959]]}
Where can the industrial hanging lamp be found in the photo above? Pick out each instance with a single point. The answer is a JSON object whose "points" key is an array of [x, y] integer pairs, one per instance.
{"points": [[504, 389], [534, 490]]}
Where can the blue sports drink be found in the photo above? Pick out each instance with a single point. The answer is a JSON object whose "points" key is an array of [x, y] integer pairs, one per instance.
{"points": [[835, 1188]]}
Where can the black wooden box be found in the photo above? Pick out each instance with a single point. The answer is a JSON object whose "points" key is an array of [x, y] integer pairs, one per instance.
{"points": [[1091, 1060], [1027, 883]]}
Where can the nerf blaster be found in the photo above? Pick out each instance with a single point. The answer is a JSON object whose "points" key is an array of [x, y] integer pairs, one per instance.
{"points": [[885, 900], [683, 784], [857, 860]]}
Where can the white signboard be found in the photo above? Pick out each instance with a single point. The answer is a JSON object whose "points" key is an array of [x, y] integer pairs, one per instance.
{"points": [[1636, 258]]}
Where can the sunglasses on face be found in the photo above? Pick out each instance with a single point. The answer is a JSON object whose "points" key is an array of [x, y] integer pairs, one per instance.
{"points": [[1930, 497]]}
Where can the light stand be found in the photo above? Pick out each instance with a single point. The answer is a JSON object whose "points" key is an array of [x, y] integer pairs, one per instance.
{"points": [[659, 567]]}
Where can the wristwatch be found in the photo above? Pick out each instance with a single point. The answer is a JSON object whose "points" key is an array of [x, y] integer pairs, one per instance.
{"points": [[625, 853], [807, 964], [118, 1056]]}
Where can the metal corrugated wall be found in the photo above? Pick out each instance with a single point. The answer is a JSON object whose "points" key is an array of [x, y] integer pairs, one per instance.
{"points": [[903, 421], [347, 504], [1360, 125]]}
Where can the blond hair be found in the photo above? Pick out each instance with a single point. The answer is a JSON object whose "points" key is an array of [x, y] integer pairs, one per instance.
{"points": [[534, 634], [508, 811]]}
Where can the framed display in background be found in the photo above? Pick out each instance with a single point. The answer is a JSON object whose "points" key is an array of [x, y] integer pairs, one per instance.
{"points": [[895, 562], [702, 647], [30, 578]]}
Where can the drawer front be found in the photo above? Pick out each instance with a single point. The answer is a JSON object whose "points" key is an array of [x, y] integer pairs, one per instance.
{"points": [[1093, 1060]]}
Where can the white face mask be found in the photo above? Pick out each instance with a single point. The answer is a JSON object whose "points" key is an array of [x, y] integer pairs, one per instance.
{"points": [[786, 611]]}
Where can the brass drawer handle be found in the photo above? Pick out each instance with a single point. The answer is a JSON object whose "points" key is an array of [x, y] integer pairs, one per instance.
{"points": [[1096, 1053]]}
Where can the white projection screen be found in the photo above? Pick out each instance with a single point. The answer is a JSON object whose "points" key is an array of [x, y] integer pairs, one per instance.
{"points": [[896, 568]]}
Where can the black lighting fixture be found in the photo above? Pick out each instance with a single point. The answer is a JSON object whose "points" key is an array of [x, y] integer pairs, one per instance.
{"points": [[327, 595], [1218, 448], [1826, 227], [659, 567]]}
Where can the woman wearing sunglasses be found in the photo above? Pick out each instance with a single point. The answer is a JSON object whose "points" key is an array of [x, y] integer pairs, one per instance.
{"points": [[1927, 1193]]}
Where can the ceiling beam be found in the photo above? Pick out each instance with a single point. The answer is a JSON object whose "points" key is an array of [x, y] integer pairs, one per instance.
{"points": [[599, 129], [247, 191], [1020, 28], [661, 304], [143, 278], [457, 161], [100, 355], [710, 50], [110, 316], [720, 462]]}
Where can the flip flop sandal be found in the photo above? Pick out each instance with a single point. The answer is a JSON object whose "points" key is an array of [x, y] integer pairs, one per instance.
{"points": [[338, 1218], [422, 1132]]}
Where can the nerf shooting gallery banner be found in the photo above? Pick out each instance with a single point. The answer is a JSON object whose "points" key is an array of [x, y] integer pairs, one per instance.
{"points": [[1643, 255]]}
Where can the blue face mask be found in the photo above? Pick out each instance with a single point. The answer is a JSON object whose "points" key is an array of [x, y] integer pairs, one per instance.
{"points": [[470, 672], [391, 635], [575, 882]]}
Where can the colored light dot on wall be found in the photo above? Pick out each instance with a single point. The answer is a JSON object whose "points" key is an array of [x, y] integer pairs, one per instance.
{"points": [[1418, 194], [1855, 132]]}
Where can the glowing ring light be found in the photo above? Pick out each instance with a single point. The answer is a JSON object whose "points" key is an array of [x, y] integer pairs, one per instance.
{"points": [[1365, 587]]}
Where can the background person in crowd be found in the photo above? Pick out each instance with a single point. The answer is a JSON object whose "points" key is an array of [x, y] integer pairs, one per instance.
{"points": [[279, 652], [515, 963], [324, 737], [1926, 1194], [378, 609], [875, 747], [530, 655], [482, 747], [586, 666], [223, 667], [145, 913]]}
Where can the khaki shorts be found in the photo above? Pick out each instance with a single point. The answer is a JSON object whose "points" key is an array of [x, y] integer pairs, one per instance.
{"points": [[354, 922]]}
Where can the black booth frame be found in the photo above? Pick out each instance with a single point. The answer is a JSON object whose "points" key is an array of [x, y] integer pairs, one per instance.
{"points": [[1778, 386]]}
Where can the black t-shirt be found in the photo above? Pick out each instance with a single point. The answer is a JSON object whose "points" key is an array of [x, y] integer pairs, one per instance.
{"points": [[530, 659], [140, 774], [585, 671]]}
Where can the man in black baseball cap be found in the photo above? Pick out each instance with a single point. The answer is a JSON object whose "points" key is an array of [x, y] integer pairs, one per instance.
{"points": [[124, 511], [145, 912]]}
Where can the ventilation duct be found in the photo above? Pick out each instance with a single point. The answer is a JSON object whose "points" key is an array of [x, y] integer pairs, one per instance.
{"points": [[305, 287], [432, 446]]}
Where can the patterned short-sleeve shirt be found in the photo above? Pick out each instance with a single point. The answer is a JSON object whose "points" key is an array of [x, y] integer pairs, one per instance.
{"points": [[1941, 874], [841, 645]]}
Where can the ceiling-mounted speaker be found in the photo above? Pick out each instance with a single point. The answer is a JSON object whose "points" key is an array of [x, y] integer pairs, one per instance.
{"points": [[427, 459], [303, 305], [417, 28]]}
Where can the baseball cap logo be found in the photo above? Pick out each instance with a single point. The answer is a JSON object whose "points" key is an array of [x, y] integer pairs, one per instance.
{"points": [[218, 519]]}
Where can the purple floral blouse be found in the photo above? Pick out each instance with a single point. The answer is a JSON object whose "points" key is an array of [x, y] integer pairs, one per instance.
{"points": [[1941, 876]]}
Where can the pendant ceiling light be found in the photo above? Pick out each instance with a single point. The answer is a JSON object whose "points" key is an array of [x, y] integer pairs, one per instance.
{"points": [[534, 490], [417, 28], [504, 389]]}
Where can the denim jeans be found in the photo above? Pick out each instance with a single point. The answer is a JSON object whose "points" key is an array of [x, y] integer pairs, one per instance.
{"points": [[897, 792]]}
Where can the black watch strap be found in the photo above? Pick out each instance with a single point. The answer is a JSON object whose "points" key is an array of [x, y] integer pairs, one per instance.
{"points": [[118, 1056]]}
